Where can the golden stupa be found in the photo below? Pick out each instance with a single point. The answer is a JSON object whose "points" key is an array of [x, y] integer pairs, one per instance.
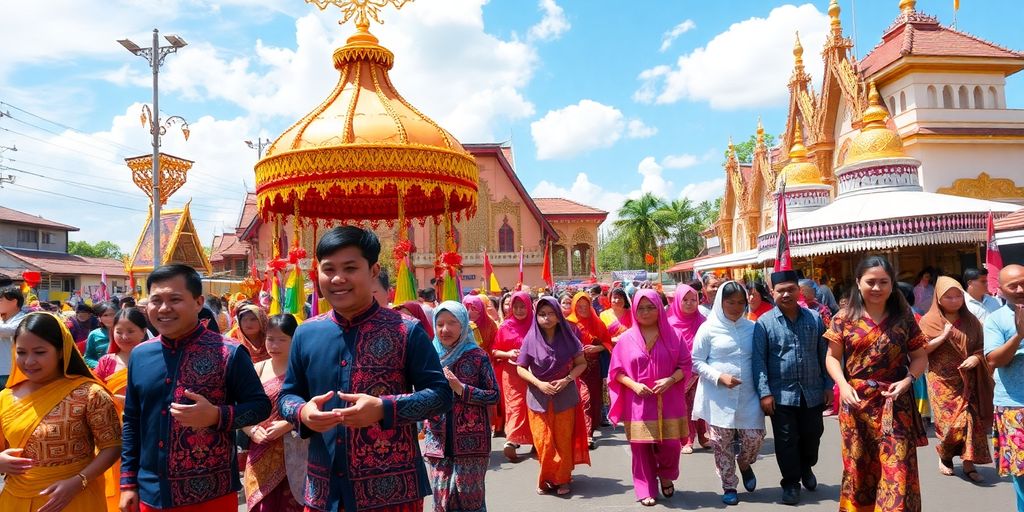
{"points": [[875, 140], [365, 153], [799, 170]]}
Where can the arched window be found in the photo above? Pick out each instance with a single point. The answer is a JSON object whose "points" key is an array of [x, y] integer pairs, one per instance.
{"points": [[965, 101], [933, 97], [947, 97], [892, 105], [580, 260], [559, 260], [903, 101], [979, 97], [993, 97], [506, 237]]}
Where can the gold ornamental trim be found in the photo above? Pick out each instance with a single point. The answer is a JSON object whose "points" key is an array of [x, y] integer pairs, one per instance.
{"points": [[984, 187], [655, 430]]}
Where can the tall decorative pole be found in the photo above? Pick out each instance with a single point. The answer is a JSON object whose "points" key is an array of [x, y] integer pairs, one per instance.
{"points": [[155, 56]]}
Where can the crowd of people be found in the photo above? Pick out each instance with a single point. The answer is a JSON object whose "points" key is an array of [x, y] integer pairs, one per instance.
{"points": [[140, 407]]}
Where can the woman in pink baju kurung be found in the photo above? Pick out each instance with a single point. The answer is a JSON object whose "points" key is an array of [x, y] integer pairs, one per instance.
{"points": [[646, 384], [684, 318]]}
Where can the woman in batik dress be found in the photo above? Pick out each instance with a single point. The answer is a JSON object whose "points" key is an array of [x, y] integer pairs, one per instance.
{"points": [[457, 446], [959, 380], [59, 428], [871, 343]]}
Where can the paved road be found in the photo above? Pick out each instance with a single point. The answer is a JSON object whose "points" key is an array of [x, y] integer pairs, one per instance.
{"points": [[607, 485]]}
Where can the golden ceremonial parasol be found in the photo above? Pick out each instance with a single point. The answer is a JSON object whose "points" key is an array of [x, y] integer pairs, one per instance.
{"points": [[365, 153]]}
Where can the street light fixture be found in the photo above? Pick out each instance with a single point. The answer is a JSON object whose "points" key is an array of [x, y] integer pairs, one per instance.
{"points": [[259, 146], [155, 56]]}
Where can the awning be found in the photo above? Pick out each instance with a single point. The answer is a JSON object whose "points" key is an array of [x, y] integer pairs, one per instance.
{"points": [[736, 259], [685, 266]]}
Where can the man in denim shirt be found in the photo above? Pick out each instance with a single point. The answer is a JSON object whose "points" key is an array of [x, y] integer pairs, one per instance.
{"points": [[789, 367]]}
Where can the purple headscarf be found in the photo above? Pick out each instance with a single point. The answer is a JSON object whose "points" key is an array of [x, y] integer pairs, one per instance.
{"points": [[550, 361]]}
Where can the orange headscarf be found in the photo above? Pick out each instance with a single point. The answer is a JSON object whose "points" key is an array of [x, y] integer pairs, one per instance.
{"points": [[592, 329], [968, 339]]}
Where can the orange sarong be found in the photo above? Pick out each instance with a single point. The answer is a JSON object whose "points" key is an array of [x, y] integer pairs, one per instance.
{"points": [[561, 442]]}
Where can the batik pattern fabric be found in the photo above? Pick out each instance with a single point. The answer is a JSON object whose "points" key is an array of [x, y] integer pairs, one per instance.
{"points": [[266, 475], [1008, 441], [62, 443], [880, 436], [959, 428], [458, 483], [464, 430], [724, 442], [380, 353], [170, 464]]}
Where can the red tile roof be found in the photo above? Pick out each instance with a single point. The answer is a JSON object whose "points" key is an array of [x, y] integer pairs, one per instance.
{"points": [[1011, 222], [227, 245], [16, 217], [560, 206], [687, 265], [67, 264], [249, 212], [919, 34]]}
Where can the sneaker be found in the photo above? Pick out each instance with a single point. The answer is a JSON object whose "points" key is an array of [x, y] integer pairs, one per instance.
{"points": [[729, 497], [791, 495], [749, 479], [810, 481]]}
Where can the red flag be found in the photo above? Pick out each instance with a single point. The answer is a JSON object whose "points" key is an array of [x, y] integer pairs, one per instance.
{"points": [[593, 267], [993, 260], [546, 270], [782, 259], [104, 291], [488, 270], [519, 285]]}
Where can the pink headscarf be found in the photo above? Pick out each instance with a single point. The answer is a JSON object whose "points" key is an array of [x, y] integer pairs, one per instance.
{"points": [[416, 311], [484, 324], [520, 327], [684, 324]]}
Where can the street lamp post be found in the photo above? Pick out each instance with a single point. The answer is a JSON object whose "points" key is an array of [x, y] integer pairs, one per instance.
{"points": [[155, 56], [259, 146]]}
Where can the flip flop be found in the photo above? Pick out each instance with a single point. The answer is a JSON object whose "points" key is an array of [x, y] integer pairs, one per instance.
{"points": [[668, 490], [945, 467], [648, 502], [563, 490]]}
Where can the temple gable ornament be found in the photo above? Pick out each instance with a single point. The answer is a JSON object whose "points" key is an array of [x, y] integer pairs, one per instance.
{"points": [[984, 187]]}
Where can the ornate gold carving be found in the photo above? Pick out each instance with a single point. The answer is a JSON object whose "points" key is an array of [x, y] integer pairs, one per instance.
{"points": [[583, 236], [173, 171], [362, 10], [875, 140], [984, 187]]}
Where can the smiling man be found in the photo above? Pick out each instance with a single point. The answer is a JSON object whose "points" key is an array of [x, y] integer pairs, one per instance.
{"points": [[359, 378], [188, 390]]}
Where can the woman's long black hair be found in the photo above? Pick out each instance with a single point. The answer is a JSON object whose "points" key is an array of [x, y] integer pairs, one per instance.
{"points": [[895, 306]]}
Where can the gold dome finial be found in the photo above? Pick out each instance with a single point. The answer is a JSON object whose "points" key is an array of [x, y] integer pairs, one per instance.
{"points": [[798, 50], [833, 11], [908, 5], [732, 149], [760, 131], [875, 140], [799, 171], [798, 152], [362, 10]]}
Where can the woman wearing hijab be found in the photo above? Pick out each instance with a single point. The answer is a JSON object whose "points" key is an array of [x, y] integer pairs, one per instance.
{"points": [[457, 446], [549, 350], [760, 301], [646, 385], [415, 310], [959, 381], [507, 345], [251, 331], [53, 400], [479, 320], [726, 396], [595, 339], [619, 317], [684, 318]]}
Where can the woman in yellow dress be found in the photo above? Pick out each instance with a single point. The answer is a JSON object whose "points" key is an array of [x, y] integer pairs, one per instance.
{"points": [[59, 429], [129, 330]]}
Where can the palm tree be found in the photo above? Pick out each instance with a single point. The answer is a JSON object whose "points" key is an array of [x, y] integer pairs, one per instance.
{"points": [[681, 218], [638, 221]]}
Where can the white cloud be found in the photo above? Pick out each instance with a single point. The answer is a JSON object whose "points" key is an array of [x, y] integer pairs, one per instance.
{"points": [[584, 191], [704, 190], [748, 65], [653, 182], [672, 35], [686, 160], [636, 129], [552, 25], [576, 129]]}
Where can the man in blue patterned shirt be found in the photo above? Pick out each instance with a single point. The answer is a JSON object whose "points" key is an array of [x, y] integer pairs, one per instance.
{"points": [[789, 368]]}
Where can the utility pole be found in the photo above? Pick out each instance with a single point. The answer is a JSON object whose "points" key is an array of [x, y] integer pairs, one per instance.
{"points": [[9, 178], [259, 146], [155, 56]]}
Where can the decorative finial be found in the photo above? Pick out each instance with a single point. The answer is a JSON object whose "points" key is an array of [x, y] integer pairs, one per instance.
{"points": [[798, 51], [833, 14], [874, 116], [798, 152], [732, 149], [362, 10], [760, 131], [908, 5]]}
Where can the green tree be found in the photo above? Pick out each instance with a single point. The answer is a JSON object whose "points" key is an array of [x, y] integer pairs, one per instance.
{"points": [[681, 219], [745, 150], [640, 225], [101, 249], [612, 253]]}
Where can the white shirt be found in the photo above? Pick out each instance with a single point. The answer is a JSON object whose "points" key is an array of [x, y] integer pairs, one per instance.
{"points": [[7, 341], [981, 308], [722, 346]]}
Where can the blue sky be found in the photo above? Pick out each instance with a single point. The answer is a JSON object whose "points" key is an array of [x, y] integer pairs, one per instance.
{"points": [[601, 99]]}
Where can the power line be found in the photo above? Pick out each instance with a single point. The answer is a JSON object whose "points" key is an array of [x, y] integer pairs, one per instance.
{"points": [[72, 128], [100, 203]]}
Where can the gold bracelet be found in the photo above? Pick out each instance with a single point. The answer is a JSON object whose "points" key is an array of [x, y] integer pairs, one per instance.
{"points": [[85, 481]]}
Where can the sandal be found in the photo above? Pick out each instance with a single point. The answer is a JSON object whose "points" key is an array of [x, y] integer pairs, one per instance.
{"points": [[668, 490], [974, 475], [545, 488], [647, 502], [509, 451], [946, 467], [563, 490], [687, 450]]}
